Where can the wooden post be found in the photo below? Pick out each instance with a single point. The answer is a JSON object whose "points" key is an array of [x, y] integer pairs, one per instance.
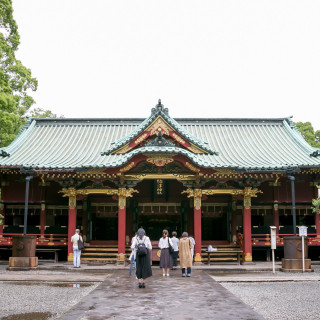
{"points": [[197, 224], [84, 218], [122, 221], [247, 254], [275, 186], [2, 213], [234, 219]]}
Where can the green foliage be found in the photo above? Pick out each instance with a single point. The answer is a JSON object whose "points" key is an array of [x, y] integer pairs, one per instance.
{"points": [[316, 204], [308, 133], [42, 113], [16, 80]]}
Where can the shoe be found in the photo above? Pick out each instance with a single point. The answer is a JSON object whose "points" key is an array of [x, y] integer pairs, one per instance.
{"points": [[183, 274], [140, 285], [168, 275], [143, 285], [188, 275], [164, 275]]}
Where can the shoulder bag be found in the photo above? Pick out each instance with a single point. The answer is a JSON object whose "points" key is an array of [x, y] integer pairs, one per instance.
{"points": [[80, 244]]}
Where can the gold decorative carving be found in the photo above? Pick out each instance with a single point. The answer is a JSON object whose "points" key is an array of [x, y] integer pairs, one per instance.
{"points": [[93, 171], [141, 138], [179, 177], [43, 206], [159, 125], [160, 160], [192, 167], [249, 193], [197, 257], [276, 206], [178, 138], [248, 257], [223, 171], [1, 206], [210, 192], [123, 194], [128, 167], [196, 194]]}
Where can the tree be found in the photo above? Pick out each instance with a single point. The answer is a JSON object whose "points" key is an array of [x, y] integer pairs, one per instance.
{"points": [[308, 133], [16, 80], [42, 113]]}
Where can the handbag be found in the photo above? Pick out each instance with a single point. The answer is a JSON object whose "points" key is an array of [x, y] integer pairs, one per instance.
{"points": [[80, 244], [170, 247]]}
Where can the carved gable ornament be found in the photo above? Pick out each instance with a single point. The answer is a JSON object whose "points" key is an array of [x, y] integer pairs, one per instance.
{"points": [[159, 130]]}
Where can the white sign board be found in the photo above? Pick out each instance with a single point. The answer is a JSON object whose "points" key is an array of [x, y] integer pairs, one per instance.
{"points": [[273, 233], [303, 231]]}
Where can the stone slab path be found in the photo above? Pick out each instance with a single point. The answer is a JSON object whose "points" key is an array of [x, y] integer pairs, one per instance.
{"points": [[174, 297]]}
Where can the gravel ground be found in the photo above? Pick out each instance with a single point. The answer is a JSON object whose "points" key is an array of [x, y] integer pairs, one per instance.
{"points": [[40, 300], [280, 300]]}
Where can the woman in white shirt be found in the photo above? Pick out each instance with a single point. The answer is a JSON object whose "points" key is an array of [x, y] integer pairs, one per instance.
{"points": [[165, 257], [143, 264]]}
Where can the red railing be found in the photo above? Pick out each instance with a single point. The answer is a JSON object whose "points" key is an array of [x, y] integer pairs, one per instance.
{"points": [[42, 240], [263, 240]]}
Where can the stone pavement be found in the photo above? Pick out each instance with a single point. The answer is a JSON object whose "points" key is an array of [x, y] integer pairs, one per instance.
{"points": [[174, 297]]}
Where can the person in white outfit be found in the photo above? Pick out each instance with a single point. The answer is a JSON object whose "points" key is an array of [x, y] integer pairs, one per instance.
{"points": [[193, 242], [76, 252]]}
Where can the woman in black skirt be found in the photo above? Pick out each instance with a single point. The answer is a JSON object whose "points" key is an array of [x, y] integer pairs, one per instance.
{"points": [[165, 256], [143, 264]]}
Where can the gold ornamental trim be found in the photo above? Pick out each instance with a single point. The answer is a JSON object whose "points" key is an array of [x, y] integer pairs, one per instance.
{"points": [[1, 206], [141, 138], [155, 176], [192, 167], [128, 167], [178, 138], [160, 160], [157, 125]]}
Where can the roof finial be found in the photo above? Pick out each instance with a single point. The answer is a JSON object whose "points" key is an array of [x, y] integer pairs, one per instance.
{"points": [[159, 106]]}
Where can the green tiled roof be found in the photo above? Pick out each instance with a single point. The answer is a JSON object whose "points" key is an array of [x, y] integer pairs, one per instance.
{"points": [[244, 144]]}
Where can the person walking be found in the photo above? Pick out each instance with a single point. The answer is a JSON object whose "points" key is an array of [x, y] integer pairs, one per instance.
{"points": [[193, 243], [185, 246], [165, 256], [175, 254], [141, 245], [76, 251]]}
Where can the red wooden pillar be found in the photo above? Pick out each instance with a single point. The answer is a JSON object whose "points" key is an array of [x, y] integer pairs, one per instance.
{"points": [[3, 184], [247, 253], [72, 220], [1, 219], [197, 224], [122, 221], [42, 219], [234, 219]]}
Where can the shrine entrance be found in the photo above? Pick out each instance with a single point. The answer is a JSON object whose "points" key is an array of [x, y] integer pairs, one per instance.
{"points": [[156, 217]]}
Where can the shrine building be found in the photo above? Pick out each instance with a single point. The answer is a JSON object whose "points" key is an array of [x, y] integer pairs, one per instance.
{"points": [[224, 181]]}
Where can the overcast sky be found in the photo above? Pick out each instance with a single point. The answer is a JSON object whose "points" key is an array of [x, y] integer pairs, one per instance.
{"points": [[203, 58]]}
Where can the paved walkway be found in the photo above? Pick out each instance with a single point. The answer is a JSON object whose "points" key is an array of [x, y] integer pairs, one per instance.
{"points": [[174, 297]]}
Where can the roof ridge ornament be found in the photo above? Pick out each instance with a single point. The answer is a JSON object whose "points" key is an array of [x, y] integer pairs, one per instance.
{"points": [[159, 107]]}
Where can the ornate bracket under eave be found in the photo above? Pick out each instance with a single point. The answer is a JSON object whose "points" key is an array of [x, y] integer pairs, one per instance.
{"points": [[122, 193], [197, 194]]}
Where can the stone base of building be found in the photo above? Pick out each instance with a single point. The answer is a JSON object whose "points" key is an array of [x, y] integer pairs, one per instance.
{"points": [[245, 263], [295, 265], [23, 263]]}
